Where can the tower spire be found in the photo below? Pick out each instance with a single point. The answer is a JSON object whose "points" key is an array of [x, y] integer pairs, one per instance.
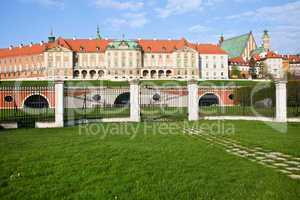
{"points": [[51, 38], [98, 36]]}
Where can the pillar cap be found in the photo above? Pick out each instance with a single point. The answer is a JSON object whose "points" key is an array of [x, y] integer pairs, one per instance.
{"points": [[135, 81], [280, 81], [192, 81], [58, 81]]}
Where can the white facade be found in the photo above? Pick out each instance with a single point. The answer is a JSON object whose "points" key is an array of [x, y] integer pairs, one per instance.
{"points": [[274, 67], [214, 66]]}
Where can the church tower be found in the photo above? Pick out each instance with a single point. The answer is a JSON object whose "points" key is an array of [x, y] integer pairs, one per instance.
{"points": [[51, 38], [266, 41], [98, 36]]}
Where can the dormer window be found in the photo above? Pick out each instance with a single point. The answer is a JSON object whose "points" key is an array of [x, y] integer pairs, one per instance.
{"points": [[82, 49], [164, 49], [149, 49], [98, 49], [175, 48]]}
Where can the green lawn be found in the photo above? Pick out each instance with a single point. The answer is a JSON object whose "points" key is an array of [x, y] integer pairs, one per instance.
{"points": [[148, 162]]}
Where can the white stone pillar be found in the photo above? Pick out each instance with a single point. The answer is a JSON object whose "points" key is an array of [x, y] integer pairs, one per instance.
{"points": [[281, 101], [59, 103], [193, 107], [134, 100]]}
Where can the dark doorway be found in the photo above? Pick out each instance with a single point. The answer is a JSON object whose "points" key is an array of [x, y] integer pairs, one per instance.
{"points": [[123, 99], [209, 100], [36, 101]]}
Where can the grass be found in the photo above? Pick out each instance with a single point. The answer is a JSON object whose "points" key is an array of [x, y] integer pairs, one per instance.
{"points": [[63, 164], [236, 111], [97, 113]]}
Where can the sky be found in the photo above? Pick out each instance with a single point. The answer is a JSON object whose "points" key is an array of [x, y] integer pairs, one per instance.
{"points": [[203, 21]]}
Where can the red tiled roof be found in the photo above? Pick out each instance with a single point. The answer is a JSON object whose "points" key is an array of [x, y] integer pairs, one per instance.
{"points": [[292, 58], [93, 45], [161, 46], [238, 60], [209, 49], [23, 50], [87, 44], [271, 54]]}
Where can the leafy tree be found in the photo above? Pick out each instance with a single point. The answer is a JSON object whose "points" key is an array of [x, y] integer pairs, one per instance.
{"points": [[235, 72]]}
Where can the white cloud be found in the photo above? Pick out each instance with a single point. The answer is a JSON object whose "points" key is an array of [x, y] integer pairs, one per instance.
{"points": [[176, 7], [283, 24], [132, 20], [115, 4], [198, 28], [55, 3], [286, 13]]}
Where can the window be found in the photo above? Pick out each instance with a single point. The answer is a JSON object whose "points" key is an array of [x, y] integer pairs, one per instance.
{"points": [[164, 49]]}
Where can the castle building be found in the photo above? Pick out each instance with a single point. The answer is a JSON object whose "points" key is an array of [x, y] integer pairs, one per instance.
{"points": [[113, 59]]}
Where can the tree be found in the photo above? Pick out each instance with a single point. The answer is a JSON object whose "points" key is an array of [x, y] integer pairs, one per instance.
{"points": [[263, 70], [252, 68], [235, 72]]}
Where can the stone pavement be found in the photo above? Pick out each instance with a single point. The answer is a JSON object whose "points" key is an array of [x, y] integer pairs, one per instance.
{"points": [[284, 163]]}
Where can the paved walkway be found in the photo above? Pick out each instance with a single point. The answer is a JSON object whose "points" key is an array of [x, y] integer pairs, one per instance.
{"points": [[284, 163]]}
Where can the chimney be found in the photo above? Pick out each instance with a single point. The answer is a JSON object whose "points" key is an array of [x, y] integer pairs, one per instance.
{"points": [[20, 45], [41, 43], [10, 47], [74, 38]]}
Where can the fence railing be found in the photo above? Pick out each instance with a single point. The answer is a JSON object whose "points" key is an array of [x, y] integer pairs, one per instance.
{"points": [[237, 101], [59, 103], [96, 102], [163, 103], [26, 105], [293, 99]]}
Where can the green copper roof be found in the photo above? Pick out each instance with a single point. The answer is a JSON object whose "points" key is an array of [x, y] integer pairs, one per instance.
{"points": [[259, 50], [123, 44], [236, 45]]}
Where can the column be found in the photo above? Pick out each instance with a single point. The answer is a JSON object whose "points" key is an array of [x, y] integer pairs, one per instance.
{"points": [[134, 100], [59, 103], [193, 107], [281, 101]]}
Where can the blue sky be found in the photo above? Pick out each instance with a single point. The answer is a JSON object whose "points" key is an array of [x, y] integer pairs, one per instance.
{"points": [[24, 21]]}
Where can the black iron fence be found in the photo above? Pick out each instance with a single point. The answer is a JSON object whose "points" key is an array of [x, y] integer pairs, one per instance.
{"points": [[293, 99], [238, 101], [27, 105], [163, 103], [96, 102]]}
